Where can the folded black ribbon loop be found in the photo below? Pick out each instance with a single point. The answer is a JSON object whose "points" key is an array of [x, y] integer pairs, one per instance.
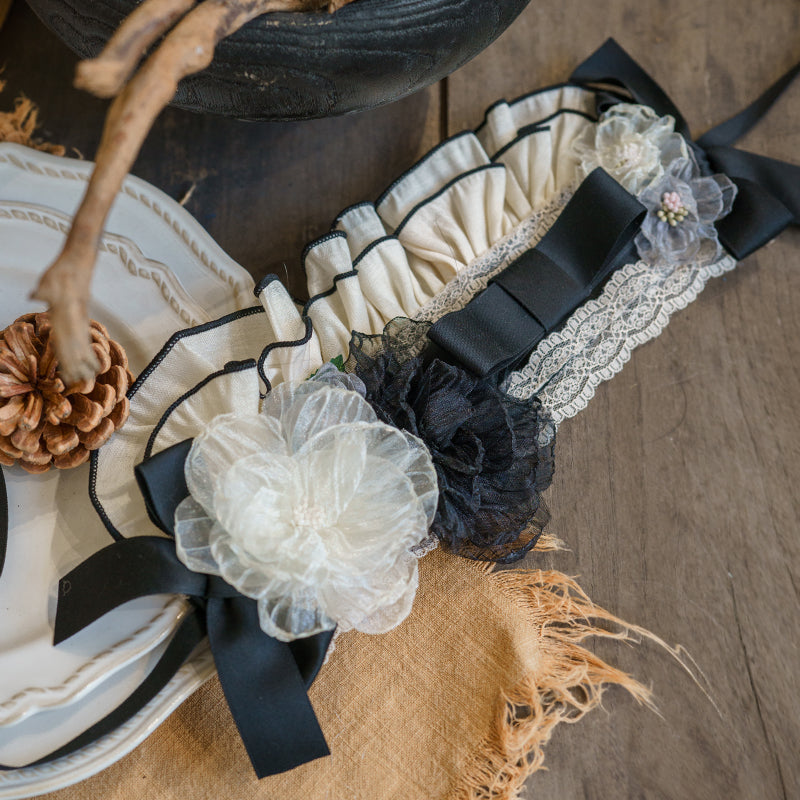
{"points": [[531, 297], [767, 200], [611, 64], [264, 680], [768, 197]]}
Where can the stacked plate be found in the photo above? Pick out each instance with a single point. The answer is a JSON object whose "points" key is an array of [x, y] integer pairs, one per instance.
{"points": [[171, 275]]}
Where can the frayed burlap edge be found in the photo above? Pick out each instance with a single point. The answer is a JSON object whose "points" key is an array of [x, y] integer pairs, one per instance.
{"points": [[5, 6], [567, 683], [19, 126]]}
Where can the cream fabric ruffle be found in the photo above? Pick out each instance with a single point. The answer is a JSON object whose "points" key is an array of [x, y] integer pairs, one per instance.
{"points": [[393, 257], [380, 260]]}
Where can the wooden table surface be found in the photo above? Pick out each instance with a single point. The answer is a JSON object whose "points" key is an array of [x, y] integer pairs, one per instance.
{"points": [[677, 488]]}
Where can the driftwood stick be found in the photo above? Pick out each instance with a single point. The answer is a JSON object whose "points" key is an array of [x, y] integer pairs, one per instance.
{"points": [[188, 48], [106, 74]]}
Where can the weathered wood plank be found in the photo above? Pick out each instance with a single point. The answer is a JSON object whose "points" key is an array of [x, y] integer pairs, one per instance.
{"points": [[677, 488]]}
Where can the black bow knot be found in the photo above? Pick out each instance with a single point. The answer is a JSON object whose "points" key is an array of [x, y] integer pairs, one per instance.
{"points": [[768, 197], [592, 237], [264, 680]]}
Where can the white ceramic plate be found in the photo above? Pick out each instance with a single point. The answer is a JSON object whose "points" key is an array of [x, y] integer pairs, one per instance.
{"points": [[52, 525], [163, 230], [57, 527], [35, 781]]}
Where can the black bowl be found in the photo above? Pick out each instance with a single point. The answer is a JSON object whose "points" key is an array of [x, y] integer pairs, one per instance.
{"points": [[302, 66]]}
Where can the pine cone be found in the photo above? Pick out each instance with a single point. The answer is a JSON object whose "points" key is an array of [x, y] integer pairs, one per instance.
{"points": [[44, 423]]}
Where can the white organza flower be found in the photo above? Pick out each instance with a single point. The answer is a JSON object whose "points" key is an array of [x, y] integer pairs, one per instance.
{"points": [[311, 508], [632, 144], [682, 207]]}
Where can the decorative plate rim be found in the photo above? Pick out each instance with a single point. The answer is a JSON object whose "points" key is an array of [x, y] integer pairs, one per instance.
{"points": [[225, 287], [92, 673], [72, 175], [82, 764], [128, 252]]}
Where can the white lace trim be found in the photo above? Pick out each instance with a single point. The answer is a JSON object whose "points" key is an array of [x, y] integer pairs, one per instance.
{"points": [[598, 339], [635, 306]]}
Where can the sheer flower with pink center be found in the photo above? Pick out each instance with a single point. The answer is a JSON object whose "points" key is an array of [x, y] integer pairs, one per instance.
{"points": [[682, 209]]}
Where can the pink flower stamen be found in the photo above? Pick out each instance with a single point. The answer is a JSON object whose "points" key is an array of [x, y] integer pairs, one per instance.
{"points": [[672, 209]]}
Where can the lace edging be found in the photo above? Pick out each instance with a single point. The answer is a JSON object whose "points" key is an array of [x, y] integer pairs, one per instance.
{"points": [[598, 339]]}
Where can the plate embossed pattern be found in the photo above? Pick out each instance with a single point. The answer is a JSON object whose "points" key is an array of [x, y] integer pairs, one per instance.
{"points": [[178, 277]]}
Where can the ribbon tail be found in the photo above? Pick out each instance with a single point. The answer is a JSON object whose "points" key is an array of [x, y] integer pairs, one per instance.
{"points": [[264, 688], [123, 571], [738, 125], [610, 63]]}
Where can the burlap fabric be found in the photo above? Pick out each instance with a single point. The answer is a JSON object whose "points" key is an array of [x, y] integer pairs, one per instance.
{"points": [[454, 703], [19, 125]]}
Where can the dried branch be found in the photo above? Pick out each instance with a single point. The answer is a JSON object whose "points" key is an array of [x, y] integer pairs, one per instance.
{"points": [[105, 75], [5, 5], [187, 48]]}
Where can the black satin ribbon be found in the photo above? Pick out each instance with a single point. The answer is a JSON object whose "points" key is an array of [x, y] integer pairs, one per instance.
{"points": [[3, 521], [768, 200], [264, 680], [592, 237]]}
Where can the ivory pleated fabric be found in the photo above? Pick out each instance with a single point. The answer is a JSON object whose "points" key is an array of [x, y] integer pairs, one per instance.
{"points": [[454, 704], [381, 260]]}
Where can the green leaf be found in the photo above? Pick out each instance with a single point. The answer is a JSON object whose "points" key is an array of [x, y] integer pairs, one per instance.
{"points": [[337, 361]]}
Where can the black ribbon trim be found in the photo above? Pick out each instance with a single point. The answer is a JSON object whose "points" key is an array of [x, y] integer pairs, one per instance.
{"points": [[264, 680], [592, 237], [768, 200], [3, 520]]}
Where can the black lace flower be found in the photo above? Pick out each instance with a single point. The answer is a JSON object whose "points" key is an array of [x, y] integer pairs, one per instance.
{"points": [[493, 454]]}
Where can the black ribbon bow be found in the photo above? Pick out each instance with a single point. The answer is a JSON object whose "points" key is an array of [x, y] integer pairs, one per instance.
{"points": [[768, 197], [591, 238], [264, 680]]}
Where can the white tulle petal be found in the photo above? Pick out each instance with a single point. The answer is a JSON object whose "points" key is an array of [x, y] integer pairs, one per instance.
{"points": [[632, 143], [702, 201], [304, 411], [313, 508], [229, 438], [332, 475], [193, 537], [414, 459]]}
